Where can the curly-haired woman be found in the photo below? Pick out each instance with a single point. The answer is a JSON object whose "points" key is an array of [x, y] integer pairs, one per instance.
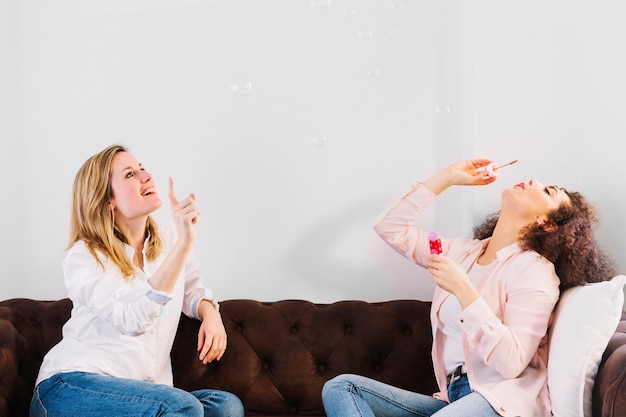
{"points": [[493, 301]]}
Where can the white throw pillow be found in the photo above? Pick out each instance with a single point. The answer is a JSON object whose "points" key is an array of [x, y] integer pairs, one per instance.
{"points": [[585, 319]]}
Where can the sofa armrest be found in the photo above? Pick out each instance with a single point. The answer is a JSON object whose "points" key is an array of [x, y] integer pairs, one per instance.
{"points": [[609, 391], [10, 346], [28, 329]]}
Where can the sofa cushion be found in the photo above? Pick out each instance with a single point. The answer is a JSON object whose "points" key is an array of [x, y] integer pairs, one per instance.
{"points": [[585, 319]]}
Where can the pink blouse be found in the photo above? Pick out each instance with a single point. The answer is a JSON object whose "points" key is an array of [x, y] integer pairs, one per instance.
{"points": [[505, 330]]}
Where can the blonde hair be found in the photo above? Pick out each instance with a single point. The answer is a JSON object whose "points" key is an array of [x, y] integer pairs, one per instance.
{"points": [[92, 220]]}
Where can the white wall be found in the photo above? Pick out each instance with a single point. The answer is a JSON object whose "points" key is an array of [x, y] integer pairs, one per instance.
{"points": [[548, 88], [339, 107], [10, 153]]}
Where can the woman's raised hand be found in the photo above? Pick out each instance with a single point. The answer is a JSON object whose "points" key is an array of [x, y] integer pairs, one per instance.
{"points": [[185, 214], [460, 173], [468, 173]]}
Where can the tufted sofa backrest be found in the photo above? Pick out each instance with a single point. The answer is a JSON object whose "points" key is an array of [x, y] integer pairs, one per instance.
{"points": [[280, 353]]}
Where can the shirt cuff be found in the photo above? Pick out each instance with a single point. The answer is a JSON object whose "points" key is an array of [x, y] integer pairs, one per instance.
{"points": [[158, 297], [420, 195], [144, 289], [473, 315]]}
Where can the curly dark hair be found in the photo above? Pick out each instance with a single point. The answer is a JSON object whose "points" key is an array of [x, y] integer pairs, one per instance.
{"points": [[572, 247]]}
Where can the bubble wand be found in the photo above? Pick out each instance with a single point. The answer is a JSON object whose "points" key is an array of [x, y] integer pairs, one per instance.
{"points": [[492, 170]]}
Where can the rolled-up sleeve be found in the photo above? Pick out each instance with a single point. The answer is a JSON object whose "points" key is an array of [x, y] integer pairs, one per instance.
{"points": [[397, 225]]}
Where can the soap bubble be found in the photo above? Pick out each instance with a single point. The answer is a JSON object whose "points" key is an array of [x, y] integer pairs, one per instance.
{"points": [[365, 34], [319, 139], [241, 88]]}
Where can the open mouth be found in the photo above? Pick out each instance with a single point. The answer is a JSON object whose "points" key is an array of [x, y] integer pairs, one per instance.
{"points": [[521, 185], [148, 192]]}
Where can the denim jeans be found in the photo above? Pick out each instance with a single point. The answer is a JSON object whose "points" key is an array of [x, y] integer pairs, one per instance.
{"points": [[357, 396], [76, 394]]}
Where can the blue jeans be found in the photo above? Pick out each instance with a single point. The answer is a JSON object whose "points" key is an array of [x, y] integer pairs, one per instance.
{"points": [[76, 394], [357, 396]]}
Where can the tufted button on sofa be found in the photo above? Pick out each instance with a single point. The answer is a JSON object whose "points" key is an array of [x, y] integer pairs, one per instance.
{"points": [[279, 353]]}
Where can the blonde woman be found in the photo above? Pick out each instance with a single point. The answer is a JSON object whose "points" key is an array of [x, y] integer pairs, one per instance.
{"points": [[129, 280]]}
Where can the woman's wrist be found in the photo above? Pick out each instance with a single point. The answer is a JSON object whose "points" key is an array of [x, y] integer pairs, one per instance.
{"points": [[467, 295], [439, 182], [206, 306]]}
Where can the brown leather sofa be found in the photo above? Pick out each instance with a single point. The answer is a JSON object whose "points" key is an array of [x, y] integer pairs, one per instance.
{"points": [[279, 353]]}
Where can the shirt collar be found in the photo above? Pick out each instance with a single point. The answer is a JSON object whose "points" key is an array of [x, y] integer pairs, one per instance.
{"points": [[505, 252], [130, 251]]}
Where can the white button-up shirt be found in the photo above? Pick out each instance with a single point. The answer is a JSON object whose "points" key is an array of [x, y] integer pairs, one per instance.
{"points": [[122, 327]]}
